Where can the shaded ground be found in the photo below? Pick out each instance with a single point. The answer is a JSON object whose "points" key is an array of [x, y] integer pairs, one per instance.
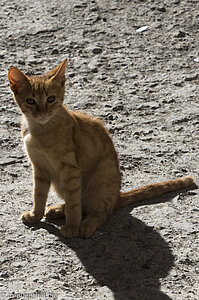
{"points": [[145, 87]]}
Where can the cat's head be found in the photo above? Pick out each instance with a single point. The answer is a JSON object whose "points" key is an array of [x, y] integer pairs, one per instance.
{"points": [[39, 97]]}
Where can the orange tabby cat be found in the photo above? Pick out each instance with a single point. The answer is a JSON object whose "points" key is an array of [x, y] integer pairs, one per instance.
{"points": [[74, 153]]}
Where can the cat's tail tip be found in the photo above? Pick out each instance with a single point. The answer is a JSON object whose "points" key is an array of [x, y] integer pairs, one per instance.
{"points": [[188, 181]]}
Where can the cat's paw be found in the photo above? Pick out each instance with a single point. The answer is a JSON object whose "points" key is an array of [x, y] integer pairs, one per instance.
{"points": [[87, 228], [69, 231], [30, 217], [55, 212]]}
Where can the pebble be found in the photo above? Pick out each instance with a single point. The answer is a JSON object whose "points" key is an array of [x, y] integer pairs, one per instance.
{"points": [[110, 117], [191, 77], [141, 29], [55, 51], [71, 74], [97, 50], [132, 76], [93, 68], [178, 120], [195, 209], [38, 246], [19, 264], [132, 91], [21, 62], [80, 105], [179, 34], [101, 77], [13, 174], [4, 274], [152, 104], [80, 4], [53, 275], [161, 9], [118, 106]]}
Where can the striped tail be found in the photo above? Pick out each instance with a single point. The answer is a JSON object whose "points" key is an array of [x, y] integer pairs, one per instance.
{"points": [[153, 190]]}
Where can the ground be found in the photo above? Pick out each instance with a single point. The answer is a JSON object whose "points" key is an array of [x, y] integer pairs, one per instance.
{"points": [[135, 65]]}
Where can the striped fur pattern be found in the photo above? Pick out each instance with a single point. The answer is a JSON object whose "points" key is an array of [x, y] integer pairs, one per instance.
{"points": [[74, 153]]}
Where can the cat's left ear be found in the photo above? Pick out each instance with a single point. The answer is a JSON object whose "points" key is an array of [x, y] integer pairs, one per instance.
{"points": [[58, 74], [17, 80]]}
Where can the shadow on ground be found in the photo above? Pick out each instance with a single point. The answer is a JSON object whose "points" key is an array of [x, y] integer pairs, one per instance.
{"points": [[124, 255]]}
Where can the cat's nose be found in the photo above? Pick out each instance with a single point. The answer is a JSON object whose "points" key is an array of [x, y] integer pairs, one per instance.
{"points": [[42, 114]]}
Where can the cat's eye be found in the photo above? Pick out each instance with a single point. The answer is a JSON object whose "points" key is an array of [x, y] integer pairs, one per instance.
{"points": [[50, 99], [30, 101]]}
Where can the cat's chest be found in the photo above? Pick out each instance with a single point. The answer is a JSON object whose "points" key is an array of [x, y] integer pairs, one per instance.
{"points": [[50, 156]]}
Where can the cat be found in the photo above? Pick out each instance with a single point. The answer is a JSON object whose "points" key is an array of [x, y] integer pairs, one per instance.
{"points": [[75, 154]]}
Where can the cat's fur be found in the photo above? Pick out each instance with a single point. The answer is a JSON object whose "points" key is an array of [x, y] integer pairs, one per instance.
{"points": [[74, 153]]}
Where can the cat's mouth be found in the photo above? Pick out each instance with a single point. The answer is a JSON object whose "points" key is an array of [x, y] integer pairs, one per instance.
{"points": [[43, 119]]}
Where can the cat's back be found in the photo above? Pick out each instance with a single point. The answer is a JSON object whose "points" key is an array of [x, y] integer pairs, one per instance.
{"points": [[86, 124], [92, 140]]}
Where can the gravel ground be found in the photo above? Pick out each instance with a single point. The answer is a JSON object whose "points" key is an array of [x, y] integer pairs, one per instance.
{"points": [[135, 65]]}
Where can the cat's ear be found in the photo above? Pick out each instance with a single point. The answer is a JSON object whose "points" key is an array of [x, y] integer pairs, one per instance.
{"points": [[17, 80], [58, 74]]}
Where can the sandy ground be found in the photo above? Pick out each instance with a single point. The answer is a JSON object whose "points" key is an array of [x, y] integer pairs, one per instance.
{"points": [[135, 65]]}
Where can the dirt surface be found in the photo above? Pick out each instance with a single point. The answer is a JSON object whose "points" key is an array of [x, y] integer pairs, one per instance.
{"points": [[135, 65]]}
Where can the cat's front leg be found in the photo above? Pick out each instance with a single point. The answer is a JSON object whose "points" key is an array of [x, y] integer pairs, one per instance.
{"points": [[72, 206], [40, 193]]}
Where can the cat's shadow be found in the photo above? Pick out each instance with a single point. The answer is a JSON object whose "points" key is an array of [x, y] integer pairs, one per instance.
{"points": [[125, 255]]}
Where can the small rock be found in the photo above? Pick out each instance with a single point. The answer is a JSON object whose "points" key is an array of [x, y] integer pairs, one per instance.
{"points": [[97, 50], [136, 133], [148, 131], [161, 9], [118, 106], [133, 91], [191, 77], [176, 2], [132, 76], [152, 104], [53, 275], [34, 279], [18, 264], [21, 62], [178, 83], [184, 170], [92, 68], [102, 77], [113, 80], [154, 84], [195, 209], [107, 105], [110, 117], [2, 54], [179, 34], [62, 271], [71, 74], [38, 246], [80, 4], [55, 51], [160, 154], [192, 193], [4, 274], [141, 29], [13, 174]]}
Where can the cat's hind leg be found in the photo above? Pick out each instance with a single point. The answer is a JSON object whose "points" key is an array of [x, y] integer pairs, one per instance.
{"points": [[55, 212], [102, 196]]}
